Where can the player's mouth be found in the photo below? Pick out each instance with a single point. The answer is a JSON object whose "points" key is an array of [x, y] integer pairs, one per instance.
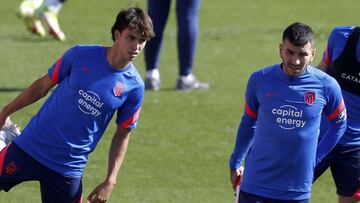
{"points": [[133, 54], [295, 68]]}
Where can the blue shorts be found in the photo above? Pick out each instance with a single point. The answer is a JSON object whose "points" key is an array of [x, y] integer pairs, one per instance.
{"points": [[245, 197], [344, 163], [16, 166]]}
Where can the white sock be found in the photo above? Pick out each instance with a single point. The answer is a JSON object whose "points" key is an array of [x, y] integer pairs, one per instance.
{"points": [[189, 77], [154, 73]]}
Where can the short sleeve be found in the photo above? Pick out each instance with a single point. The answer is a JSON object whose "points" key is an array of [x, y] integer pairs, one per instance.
{"points": [[128, 114], [61, 68]]}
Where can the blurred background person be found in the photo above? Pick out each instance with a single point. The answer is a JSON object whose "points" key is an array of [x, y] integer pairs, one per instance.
{"points": [[187, 21], [42, 16], [341, 59]]}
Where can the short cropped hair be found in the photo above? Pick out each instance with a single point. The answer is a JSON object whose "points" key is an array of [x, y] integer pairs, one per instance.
{"points": [[136, 19], [299, 34]]}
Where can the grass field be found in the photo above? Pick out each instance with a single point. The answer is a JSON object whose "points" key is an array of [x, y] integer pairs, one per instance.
{"points": [[180, 150]]}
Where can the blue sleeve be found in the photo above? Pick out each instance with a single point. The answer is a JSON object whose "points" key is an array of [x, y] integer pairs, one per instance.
{"points": [[336, 43], [335, 112], [61, 68], [128, 113], [328, 55], [247, 125]]}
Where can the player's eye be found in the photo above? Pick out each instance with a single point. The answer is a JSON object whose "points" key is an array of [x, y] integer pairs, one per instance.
{"points": [[289, 52], [303, 55], [131, 37]]}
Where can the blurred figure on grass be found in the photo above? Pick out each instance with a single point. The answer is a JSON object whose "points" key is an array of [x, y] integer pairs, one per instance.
{"points": [[187, 21], [41, 17]]}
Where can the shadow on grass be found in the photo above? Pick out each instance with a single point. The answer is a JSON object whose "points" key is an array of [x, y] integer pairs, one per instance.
{"points": [[30, 38], [173, 89], [11, 89]]}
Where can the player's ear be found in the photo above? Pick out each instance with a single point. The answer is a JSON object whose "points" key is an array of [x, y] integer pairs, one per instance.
{"points": [[117, 34], [280, 49], [313, 55]]}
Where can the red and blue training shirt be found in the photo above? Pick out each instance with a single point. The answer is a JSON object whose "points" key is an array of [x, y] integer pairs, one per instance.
{"points": [[74, 117], [278, 133]]}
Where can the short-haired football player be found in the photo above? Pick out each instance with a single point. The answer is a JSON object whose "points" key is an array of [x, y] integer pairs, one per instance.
{"points": [[93, 82], [278, 135]]}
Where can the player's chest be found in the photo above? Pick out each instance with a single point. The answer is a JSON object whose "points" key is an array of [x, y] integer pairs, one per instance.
{"points": [[292, 100], [94, 86]]}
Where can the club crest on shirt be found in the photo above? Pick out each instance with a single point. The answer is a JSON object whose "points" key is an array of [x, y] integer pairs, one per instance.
{"points": [[11, 168], [309, 97], [118, 89]]}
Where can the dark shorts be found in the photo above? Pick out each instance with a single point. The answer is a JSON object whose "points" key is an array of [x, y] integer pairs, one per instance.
{"points": [[251, 198], [16, 166], [344, 163]]}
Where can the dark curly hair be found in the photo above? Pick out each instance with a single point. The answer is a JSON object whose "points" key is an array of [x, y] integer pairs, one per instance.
{"points": [[299, 34], [136, 19]]}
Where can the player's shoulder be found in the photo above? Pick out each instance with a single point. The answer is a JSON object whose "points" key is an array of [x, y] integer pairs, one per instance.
{"points": [[264, 72], [132, 74], [269, 69], [87, 47], [321, 76], [80, 49], [341, 29], [341, 32]]}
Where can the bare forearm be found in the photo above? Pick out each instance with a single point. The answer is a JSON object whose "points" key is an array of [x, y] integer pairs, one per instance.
{"points": [[24, 99], [117, 153], [33, 93]]}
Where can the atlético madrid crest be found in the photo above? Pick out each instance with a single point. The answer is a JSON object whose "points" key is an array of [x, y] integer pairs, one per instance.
{"points": [[310, 97], [118, 89]]}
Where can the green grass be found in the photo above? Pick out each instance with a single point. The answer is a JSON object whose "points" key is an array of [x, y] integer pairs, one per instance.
{"points": [[180, 150]]}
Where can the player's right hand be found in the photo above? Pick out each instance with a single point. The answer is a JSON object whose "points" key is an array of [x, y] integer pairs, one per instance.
{"points": [[235, 176], [101, 193]]}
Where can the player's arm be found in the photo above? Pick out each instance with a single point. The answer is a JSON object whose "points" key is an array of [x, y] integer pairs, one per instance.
{"points": [[243, 141], [126, 120], [327, 54], [324, 63], [37, 90], [335, 111], [245, 132], [117, 152]]}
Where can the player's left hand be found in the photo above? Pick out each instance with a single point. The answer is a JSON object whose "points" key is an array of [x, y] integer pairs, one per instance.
{"points": [[101, 193], [2, 120]]}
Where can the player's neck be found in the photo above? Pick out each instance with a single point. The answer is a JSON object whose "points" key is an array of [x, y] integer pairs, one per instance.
{"points": [[114, 60]]}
